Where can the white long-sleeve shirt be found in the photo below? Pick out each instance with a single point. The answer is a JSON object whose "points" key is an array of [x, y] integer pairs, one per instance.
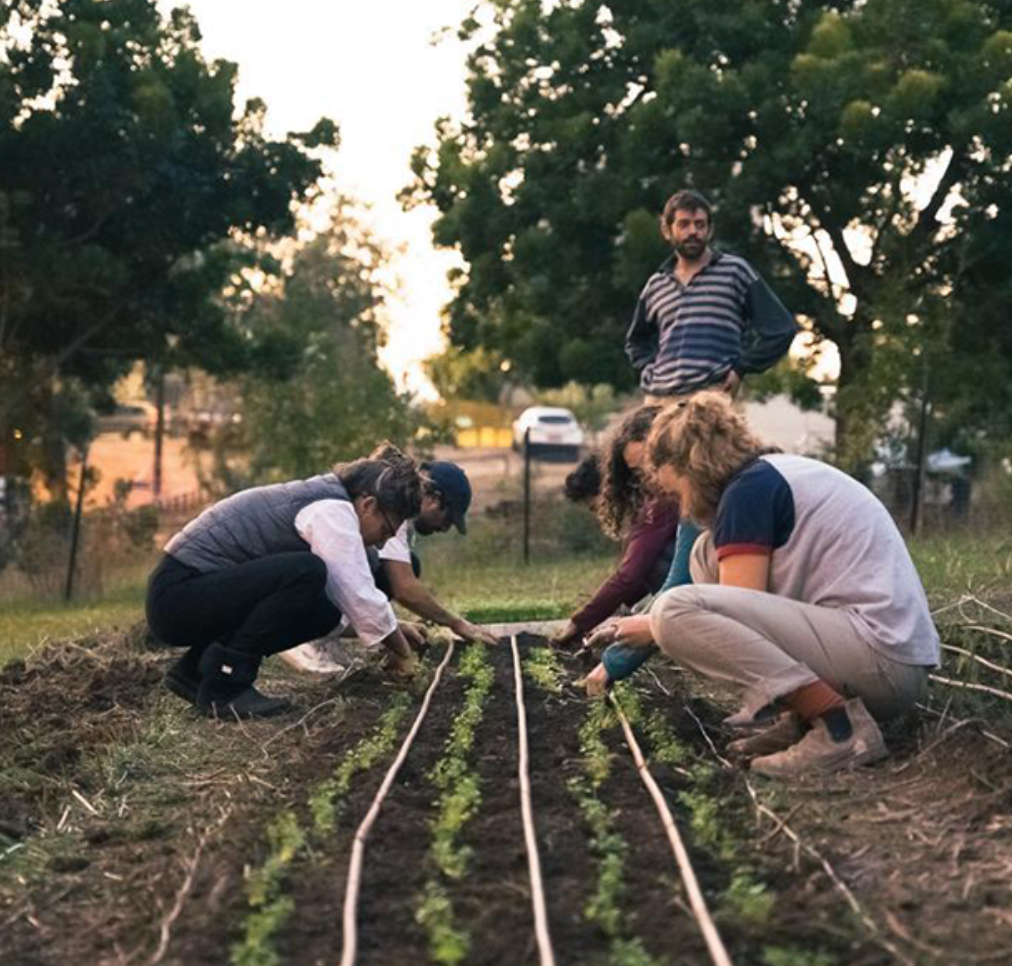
{"points": [[331, 528]]}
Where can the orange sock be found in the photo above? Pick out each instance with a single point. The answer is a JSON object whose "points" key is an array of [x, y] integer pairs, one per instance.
{"points": [[813, 700]]}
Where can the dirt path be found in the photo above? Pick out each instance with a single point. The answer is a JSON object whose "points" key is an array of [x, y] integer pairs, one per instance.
{"points": [[132, 832]]}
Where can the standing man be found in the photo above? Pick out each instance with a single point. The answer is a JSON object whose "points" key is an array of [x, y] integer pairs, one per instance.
{"points": [[705, 319], [446, 498]]}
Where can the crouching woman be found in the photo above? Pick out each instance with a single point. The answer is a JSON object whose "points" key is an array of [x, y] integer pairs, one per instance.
{"points": [[804, 599], [272, 567]]}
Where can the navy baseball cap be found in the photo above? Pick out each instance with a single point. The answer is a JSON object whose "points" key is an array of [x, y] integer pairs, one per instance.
{"points": [[453, 486]]}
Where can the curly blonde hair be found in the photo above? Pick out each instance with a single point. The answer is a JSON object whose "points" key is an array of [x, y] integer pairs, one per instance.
{"points": [[706, 441], [622, 488]]}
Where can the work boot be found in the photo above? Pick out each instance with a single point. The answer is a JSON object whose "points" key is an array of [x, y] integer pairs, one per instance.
{"points": [[226, 688], [783, 733], [183, 679], [817, 751]]}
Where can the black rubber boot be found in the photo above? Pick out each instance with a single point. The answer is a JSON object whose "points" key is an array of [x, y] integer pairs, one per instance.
{"points": [[183, 679], [226, 687]]}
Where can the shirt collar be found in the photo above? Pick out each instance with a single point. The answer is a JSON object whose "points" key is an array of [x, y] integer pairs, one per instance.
{"points": [[668, 265]]}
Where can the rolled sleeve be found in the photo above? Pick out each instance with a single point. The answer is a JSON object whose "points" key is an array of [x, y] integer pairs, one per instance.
{"points": [[331, 529]]}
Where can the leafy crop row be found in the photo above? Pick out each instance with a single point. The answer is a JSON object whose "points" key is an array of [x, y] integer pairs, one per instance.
{"points": [[459, 798]]}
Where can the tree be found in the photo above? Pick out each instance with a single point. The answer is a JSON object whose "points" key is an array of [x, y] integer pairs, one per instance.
{"points": [[319, 394], [851, 146], [126, 178]]}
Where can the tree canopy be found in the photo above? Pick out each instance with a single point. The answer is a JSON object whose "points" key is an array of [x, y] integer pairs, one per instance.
{"points": [[320, 394], [857, 151], [126, 178]]}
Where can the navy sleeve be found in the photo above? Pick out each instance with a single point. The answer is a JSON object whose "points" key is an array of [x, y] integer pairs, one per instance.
{"points": [[755, 514], [641, 338], [771, 329]]}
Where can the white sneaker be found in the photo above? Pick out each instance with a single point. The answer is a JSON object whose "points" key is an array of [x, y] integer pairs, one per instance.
{"points": [[818, 752], [313, 658]]}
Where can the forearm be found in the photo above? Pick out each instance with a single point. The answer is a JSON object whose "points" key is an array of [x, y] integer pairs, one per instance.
{"points": [[413, 595], [397, 645], [641, 339], [772, 330]]}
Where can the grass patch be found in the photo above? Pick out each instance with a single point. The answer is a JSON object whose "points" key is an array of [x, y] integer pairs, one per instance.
{"points": [[28, 625]]}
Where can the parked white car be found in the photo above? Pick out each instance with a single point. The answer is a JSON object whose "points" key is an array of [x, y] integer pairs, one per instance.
{"points": [[554, 432]]}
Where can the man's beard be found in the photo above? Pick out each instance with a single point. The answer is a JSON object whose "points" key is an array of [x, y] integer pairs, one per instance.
{"points": [[691, 248], [423, 528]]}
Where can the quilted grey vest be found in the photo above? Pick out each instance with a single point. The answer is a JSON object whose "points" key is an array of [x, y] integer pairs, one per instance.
{"points": [[251, 524]]}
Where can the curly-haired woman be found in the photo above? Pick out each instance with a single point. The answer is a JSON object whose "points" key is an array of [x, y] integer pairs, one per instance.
{"points": [[804, 596], [611, 482], [274, 566]]}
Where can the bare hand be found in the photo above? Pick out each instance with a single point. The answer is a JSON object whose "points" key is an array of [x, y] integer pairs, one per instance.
{"points": [[565, 635], [401, 668], [473, 632], [417, 635], [596, 682], [634, 631], [602, 635], [731, 384]]}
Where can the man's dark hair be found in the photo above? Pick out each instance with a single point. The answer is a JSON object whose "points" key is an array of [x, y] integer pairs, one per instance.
{"points": [[395, 484], [684, 200], [584, 483]]}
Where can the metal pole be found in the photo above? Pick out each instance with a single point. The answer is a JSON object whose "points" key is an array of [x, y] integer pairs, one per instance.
{"points": [[527, 495], [156, 476], [922, 453], [75, 530]]}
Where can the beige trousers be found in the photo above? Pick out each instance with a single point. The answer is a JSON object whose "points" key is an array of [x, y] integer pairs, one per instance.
{"points": [[768, 646]]}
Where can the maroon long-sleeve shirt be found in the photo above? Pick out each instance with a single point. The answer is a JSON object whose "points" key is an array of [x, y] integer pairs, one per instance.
{"points": [[652, 532]]}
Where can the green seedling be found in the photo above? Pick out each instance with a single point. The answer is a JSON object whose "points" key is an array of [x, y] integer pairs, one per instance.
{"points": [[543, 667], [448, 945], [793, 956], [266, 894], [459, 799], [607, 846], [326, 798], [270, 906], [746, 900]]}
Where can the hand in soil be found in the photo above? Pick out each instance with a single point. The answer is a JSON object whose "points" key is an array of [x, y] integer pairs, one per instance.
{"points": [[417, 635], [634, 631], [565, 635], [401, 668], [473, 632], [596, 682], [603, 635]]}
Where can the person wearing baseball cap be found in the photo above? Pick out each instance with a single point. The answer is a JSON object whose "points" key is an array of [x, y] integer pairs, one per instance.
{"points": [[446, 498]]}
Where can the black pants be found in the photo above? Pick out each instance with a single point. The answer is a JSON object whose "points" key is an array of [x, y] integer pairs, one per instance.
{"points": [[260, 607]]}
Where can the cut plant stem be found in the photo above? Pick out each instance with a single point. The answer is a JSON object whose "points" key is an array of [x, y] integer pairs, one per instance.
{"points": [[354, 882], [544, 940]]}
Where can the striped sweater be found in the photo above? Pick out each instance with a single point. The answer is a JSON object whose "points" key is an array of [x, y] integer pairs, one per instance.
{"points": [[684, 338]]}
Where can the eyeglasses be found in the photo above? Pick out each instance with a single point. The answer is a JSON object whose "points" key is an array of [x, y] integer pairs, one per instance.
{"points": [[391, 529]]}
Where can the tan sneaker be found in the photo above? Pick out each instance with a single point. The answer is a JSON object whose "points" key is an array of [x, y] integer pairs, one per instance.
{"points": [[783, 733], [818, 752]]}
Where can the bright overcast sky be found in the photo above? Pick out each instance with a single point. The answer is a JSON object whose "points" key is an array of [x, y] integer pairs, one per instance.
{"points": [[372, 68]]}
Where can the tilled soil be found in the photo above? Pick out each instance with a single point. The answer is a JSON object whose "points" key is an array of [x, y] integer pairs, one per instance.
{"points": [[128, 829]]}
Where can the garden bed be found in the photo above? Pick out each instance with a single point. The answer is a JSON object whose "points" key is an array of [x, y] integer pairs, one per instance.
{"points": [[133, 832]]}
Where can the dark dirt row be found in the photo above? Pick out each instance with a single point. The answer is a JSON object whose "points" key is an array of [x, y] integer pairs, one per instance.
{"points": [[126, 821], [118, 803]]}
